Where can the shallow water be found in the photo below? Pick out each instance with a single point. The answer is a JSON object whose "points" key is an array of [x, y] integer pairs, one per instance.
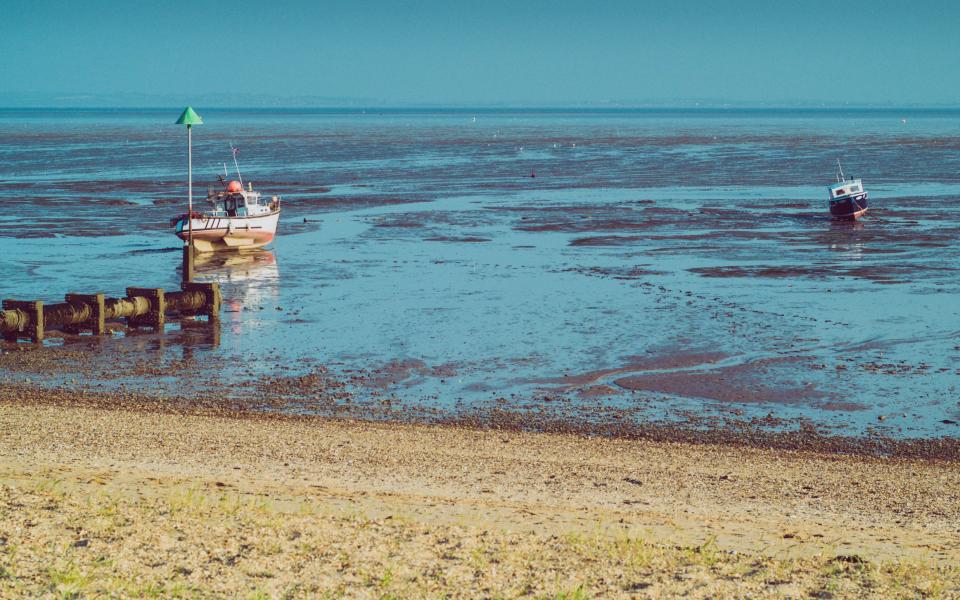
{"points": [[659, 261]]}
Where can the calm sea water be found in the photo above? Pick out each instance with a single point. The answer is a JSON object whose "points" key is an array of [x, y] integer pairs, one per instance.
{"points": [[674, 260]]}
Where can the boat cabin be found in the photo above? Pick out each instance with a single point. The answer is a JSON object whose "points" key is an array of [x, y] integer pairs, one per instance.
{"points": [[236, 202], [845, 188]]}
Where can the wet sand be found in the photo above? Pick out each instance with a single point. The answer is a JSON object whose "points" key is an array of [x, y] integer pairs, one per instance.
{"points": [[233, 504]]}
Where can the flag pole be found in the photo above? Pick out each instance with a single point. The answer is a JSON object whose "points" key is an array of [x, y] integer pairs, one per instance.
{"points": [[189, 118], [188, 249]]}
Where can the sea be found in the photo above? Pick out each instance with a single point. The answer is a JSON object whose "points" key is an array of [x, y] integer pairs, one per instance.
{"points": [[665, 263]]}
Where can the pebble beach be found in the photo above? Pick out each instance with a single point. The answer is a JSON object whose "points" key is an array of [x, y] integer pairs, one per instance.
{"points": [[125, 501]]}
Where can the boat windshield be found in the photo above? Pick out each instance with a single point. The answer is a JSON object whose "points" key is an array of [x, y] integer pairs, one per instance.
{"points": [[240, 205], [233, 205]]}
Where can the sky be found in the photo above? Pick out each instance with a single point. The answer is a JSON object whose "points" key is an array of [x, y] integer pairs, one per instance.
{"points": [[433, 52]]}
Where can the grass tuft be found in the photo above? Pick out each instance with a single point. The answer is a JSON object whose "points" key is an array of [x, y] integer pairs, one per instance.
{"points": [[578, 593]]}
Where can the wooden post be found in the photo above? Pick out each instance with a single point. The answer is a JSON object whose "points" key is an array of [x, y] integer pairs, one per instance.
{"points": [[96, 324], [187, 275], [156, 317], [9, 335], [211, 305], [34, 312]]}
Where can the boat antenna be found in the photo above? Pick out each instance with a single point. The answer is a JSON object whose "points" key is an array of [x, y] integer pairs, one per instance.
{"points": [[234, 149], [840, 176]]}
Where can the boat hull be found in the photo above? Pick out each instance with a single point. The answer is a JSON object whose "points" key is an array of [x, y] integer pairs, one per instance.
{"points": [[849, 208], [214, 234]]}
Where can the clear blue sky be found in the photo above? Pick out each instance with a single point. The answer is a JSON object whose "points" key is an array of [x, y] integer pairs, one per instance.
{"points": [[445, 51]]}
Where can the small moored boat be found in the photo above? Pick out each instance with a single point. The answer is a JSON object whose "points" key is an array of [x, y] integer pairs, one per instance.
{"points": [[847, 198], [238, 219]]}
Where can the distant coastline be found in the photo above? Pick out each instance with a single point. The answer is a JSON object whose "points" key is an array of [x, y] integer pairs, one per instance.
{"points": [[773, 111], [221, 101]]}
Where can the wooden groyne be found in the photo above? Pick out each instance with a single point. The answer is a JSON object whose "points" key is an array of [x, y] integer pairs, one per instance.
{"points": [[142, 307]]}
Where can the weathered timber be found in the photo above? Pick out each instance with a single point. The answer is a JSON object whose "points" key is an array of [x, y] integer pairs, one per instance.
{"points": [[143, 307], [199, 299], [94, 307], [155, 316], [28, 320]]}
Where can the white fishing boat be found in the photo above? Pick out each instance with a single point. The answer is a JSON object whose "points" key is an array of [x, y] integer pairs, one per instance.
{"points": [[238, 219]]}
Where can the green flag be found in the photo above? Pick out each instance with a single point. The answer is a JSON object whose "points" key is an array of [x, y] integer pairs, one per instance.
{"points": [[189, 117]]}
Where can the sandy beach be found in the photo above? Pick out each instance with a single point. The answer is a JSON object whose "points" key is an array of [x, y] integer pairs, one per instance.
{"points": [[130, 501]]}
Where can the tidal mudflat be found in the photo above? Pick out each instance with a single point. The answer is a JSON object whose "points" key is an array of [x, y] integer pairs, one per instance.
{"points": [[628, 267]]}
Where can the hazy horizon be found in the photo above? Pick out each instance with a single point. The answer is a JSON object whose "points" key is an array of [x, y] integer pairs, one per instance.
{"points": [[78, 101]]}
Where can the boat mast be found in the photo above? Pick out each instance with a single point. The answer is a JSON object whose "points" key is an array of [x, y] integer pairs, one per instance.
{"points": [[840, 176], [235, 150]]}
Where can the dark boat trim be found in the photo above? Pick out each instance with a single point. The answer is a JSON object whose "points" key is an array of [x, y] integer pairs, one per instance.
{"points": [[849, 207]]}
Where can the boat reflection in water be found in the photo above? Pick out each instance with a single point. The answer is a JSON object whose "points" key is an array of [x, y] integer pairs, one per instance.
{"points": [[846, 238], [249, 280]]}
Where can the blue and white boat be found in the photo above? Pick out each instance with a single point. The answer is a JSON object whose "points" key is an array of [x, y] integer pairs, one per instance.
{"points": [[847, 198]]}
